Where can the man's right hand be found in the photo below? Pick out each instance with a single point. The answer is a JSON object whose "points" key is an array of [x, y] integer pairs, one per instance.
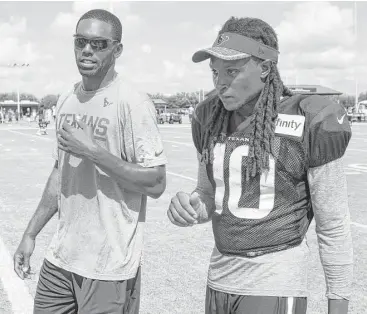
{"points": [[183, 210], [22, 256]]}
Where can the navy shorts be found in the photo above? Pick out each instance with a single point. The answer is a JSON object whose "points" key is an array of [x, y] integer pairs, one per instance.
{"points": [[223, 303], [62, 292]]}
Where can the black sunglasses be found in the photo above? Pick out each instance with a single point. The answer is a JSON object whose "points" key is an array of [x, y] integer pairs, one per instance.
{"points": [[97, 44]]}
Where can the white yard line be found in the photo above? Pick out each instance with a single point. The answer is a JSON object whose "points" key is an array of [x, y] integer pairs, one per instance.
{"points": [[358, 225], [24, 128], [175, 126], [17, 291], [31, 135], [356, 150], [183, 134], [180, 176], [179, 143]]}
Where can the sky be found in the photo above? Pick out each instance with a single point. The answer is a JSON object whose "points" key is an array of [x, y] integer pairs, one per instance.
{"points": [[319, 42]]}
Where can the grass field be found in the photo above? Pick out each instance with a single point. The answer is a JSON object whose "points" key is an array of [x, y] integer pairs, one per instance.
{"points": [[176, 259]]}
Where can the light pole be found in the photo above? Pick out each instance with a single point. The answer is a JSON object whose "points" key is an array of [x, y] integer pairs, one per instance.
{"points": [[355, 73], [14, 66]]}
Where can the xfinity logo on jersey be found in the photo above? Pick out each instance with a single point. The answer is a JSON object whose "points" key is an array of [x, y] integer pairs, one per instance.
{"points": [[290, 124]]}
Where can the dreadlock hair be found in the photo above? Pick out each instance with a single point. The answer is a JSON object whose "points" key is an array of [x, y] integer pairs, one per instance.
{"points": [[261, 144], [104, 16]]}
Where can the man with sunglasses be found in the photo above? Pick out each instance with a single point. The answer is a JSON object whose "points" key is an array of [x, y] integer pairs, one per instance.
{"points": [[109, 159]]}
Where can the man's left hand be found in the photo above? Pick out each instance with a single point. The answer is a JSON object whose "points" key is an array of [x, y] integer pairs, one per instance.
{"points": [[76, 141]]}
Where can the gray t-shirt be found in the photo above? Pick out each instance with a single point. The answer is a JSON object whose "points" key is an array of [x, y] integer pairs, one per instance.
{"points": [[100, 228]]}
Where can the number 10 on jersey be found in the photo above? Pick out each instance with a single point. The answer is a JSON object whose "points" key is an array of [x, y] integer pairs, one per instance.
{"points": [[267, 182]]}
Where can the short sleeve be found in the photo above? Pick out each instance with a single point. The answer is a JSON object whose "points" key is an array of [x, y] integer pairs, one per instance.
{"points": [[142, 140], [329, 135], [63, 97], [55, 151]]}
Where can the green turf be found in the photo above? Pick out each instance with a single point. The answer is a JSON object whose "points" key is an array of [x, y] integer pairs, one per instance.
{"points": [[5, 306], [175, 259]]}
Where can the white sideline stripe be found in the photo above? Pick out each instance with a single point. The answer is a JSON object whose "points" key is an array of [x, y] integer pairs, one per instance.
{"points": [[49, 139], [175, 126], [179, 133], [359, 225], [15, 288], [357, 150], [31, 135], [290, 305], [180, 126], [25, 128], [180, 176], [179, 143]]}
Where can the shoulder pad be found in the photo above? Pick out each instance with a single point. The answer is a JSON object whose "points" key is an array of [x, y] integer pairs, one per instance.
{"points": [[292, 105], [329, 130], [314, 104]]}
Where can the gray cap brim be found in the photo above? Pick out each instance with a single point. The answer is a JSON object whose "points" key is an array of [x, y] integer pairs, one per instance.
{"points": [[218, 52]]}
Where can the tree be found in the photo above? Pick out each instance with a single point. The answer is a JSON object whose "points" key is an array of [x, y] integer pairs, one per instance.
{"points": [[26, 96], [347, 100], [193, 98], [7, 96], [157, 96], [14, 97], [183, 100], [178, 100], [362, 96], [49, 100]]}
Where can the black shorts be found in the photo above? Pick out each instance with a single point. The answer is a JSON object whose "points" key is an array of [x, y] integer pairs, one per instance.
{"points": [[223, 303], [63, 292]]}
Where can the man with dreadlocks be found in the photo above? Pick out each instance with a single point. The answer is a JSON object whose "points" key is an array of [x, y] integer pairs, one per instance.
{"points": [[269, 162]]}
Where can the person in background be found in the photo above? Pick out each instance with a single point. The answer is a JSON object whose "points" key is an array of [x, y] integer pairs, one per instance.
{"points": [[42, 123], [54, 113], [191, 111], [28, 115]]}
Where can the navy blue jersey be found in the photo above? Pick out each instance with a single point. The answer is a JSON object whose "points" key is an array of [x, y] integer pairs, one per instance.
{"points": [[272, 211]]}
